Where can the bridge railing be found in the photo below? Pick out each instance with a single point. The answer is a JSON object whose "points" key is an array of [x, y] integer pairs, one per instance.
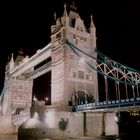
{"points": [[40, 69], [39, 57], [18, 119], [108, 104]]}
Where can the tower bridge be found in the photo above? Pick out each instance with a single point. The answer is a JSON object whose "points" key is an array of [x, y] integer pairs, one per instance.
{"points": [[75, 63]]}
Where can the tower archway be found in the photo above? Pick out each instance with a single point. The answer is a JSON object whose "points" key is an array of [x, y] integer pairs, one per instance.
{"points": [[79, 97]]}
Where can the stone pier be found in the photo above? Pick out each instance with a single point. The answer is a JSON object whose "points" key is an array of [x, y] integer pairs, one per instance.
{"points": [[50, 122]]}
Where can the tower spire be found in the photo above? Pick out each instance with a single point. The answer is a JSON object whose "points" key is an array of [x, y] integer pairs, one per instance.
{"points": [[65, 18], [11, 64], [91, 22], [12, 58], [92, 26], [54, 16], [65, 11]]}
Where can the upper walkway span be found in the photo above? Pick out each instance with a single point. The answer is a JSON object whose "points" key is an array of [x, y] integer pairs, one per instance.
{"points": [[40, 56], [40, 71]]}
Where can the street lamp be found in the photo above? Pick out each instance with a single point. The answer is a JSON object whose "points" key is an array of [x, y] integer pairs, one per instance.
{"points": [[46, 100], [34, 99]]}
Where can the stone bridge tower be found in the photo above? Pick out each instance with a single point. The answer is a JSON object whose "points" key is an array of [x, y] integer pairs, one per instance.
{"points": [[70, 74], [17, 90]]}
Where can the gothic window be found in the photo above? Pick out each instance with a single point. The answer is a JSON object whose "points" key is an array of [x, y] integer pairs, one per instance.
{"points": [[26, 87], [74, 36], [71, 56], [81, 38], [81, 74], [76, 41], [87, 76], [72, 22], [20, 86], [74, 75], [85, 39], [58, 36], [77, 28]]}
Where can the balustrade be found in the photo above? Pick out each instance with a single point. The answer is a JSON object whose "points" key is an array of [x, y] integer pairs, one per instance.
{"points": [[18, 119]]}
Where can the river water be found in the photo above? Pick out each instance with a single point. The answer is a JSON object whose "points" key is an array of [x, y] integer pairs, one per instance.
{"points": [[122, 137], [8, 137]]}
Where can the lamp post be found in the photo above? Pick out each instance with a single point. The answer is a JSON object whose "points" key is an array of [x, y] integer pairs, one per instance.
{"points": [[46, 100], [34, 100]]}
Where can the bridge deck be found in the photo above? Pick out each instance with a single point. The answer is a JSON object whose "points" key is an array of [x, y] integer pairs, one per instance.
{"points": [[122, 104]]}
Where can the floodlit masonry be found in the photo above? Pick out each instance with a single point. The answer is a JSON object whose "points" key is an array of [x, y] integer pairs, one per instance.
{"points": [[72, 83]]}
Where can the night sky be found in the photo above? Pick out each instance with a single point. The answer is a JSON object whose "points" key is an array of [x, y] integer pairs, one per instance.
{"points": [[27, 25]]}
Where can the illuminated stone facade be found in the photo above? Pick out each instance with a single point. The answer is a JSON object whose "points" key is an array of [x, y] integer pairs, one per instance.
{"points": [[17, 90], [69, 72]]}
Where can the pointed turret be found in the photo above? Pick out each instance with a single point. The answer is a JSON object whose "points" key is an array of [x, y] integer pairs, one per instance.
{"points": [[65, 18], [92, 26], [54, 16], [91, 22], [11, 63], [65, 11], [19, 58]]}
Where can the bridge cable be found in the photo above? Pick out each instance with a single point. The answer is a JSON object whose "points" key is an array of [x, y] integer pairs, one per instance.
{"points": [[130, 79]]}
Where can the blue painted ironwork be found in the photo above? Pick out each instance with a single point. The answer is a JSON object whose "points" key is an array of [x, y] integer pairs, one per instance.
{"points": [[126, 75], [108, 105], [115, 71]]}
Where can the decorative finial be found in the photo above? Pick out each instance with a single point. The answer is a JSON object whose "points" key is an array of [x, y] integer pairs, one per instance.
{"points": [[72, 6], [11, 64], [91, 23], [20, 52], [91, 17], [12, 55], [65, 6], [54, 16], [12, 58], [65, 11]]}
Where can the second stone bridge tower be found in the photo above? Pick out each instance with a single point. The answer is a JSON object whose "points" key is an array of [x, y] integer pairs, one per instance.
{"points": [[72, 79]]}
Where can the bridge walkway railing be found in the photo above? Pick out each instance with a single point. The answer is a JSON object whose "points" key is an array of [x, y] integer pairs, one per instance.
{"points": [[44, 67], [108, 104], [18, 119]]}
